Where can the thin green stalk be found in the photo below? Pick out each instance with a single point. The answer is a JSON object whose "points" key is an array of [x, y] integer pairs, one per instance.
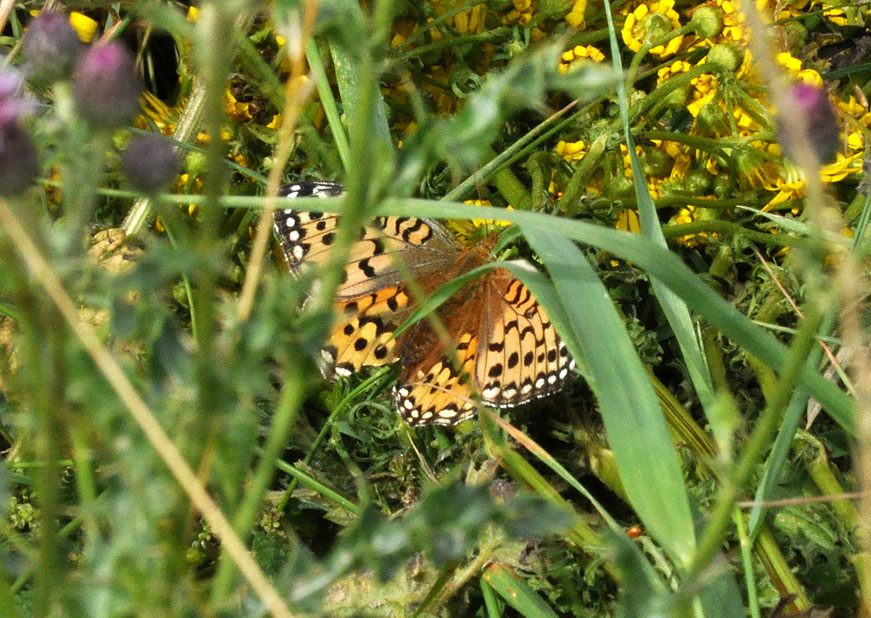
{"points": [[826, 481], [316, 486], [747, 562], [760, 440], [507, 156], [489, 35], [571, 198], [188, 290], [86, 485], [328, 101], [492, 604], [729, 228], [327, 426]]}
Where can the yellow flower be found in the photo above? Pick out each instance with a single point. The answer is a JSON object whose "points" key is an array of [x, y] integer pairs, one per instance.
{"points": [[627, 221], [733, 20], [573, 58], [688, 214], [471, 21], [695, 106], [654, 20], [571, 151], [842, 167], [676, 67], [790, 185], [836, 15], [575, 17], [521, 13], [469, 230], [854, 109], [84, 26], [788, 62]]}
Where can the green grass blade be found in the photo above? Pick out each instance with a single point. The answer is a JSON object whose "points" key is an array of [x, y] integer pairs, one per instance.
{"points": [[669, 269], [636, 428], [675, 310], [517, 592]]}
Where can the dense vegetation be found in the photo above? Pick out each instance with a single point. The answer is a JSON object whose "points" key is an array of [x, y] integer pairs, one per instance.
{"points": [[688, 180]]}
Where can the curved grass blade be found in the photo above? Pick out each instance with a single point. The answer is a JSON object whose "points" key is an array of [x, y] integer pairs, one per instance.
{"points": [[669, 269], [675, 310], [516, 592], [634, 422]]}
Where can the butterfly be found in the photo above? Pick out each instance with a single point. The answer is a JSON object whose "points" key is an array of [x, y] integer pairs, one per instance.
{"points": [[501, 349]]}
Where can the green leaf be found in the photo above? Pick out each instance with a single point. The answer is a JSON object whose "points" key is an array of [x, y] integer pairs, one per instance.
{"points": [[517, 592], [636, 427], [662, 264]]}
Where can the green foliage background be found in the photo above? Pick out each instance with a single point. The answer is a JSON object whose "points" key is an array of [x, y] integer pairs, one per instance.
{"points": [[146, 360]]}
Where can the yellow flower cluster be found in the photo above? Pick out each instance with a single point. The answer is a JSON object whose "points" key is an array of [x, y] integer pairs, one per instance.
{"points": [[649, 22], [573, 58]]}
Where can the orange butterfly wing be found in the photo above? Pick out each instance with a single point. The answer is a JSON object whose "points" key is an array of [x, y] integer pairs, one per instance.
{"points": [[507, 354], [372, 300]]}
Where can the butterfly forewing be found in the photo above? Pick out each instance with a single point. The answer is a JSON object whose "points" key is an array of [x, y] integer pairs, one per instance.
{"points": [[384, 248]]}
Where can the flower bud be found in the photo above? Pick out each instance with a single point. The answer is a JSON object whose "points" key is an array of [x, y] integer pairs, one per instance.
{"points": [[10, 83], [12, 106], [655, 26], [105, 87], [698, 181], [50, 48], [727, 55], [712, 120], [812, 106], [150, 163], [19, 165], [723, 186], [707, 21], [677, 98]]}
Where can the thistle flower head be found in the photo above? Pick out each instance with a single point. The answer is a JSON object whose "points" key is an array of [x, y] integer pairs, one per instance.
{"points": [[150, 163], [50, 48], [105, 87]]}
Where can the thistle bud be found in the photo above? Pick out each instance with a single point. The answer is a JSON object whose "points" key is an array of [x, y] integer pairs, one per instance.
{"points": [[105, 87], [10, 83], [50, 48], [19, 165], [813, 107], [150, 163]]}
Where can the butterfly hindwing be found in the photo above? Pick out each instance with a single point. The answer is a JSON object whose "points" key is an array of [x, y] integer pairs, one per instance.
{"points": [[524, 359], [506, 354], [363, 333]]}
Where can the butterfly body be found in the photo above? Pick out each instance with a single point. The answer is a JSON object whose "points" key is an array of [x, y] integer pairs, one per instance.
{"points": [[496, 343]]}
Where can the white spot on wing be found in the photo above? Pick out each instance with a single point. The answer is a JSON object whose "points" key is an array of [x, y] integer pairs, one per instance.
{"points": [[491, 392]]}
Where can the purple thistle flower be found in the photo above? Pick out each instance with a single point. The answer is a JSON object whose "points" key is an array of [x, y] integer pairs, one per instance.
{"points": [[150, 163], [105, 87], [814, 108], [50, 48]]}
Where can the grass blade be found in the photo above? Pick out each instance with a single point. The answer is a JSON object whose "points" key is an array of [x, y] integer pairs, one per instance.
{"points": [[634, 422]]}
